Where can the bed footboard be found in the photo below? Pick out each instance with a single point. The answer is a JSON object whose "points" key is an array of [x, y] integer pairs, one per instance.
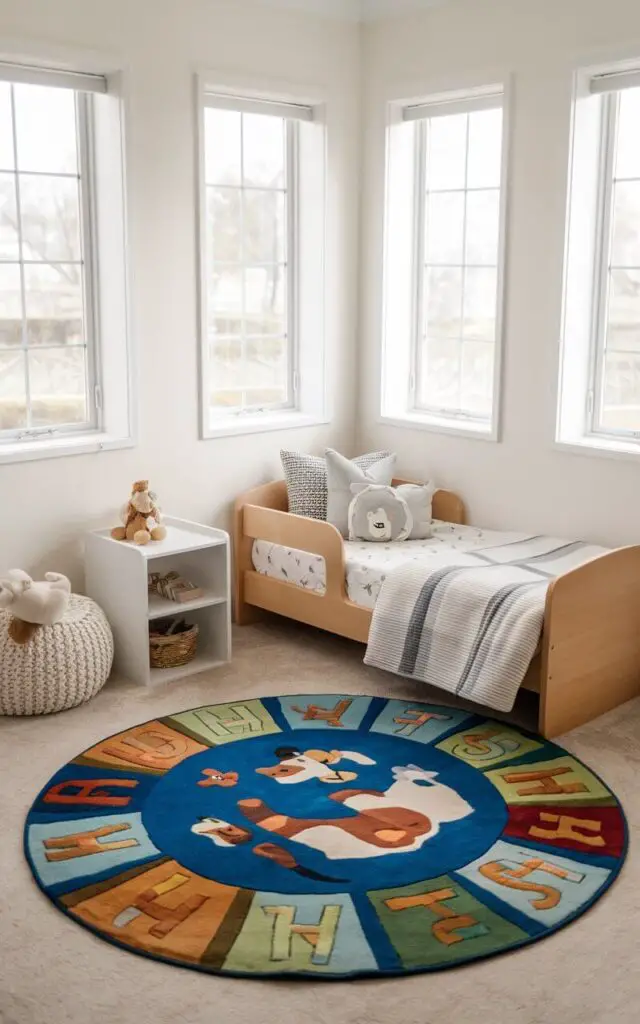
{"points": [[591, 642]]}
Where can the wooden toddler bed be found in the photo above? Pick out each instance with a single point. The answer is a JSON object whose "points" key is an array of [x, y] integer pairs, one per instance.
{"points": [[589, 657]]}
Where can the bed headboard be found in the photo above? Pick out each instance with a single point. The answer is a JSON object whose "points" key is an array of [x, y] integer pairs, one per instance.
{"points": [[446, 505]]}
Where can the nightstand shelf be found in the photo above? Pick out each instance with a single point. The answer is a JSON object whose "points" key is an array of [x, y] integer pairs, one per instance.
{"points": [[161, 607], [117, 576]]}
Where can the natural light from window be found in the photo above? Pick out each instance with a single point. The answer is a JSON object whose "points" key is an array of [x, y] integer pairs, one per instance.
{"points": [[618, 386], [599, 395], [248, 166], [45, 327], [459, 281], [445, 214]]}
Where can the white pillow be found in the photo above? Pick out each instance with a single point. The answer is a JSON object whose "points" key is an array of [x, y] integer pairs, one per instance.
{"points": [[419, 498], [341, 474]]}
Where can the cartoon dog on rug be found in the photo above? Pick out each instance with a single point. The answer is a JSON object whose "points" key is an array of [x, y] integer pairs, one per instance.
{"points": [[399, 820], [299, 766]]}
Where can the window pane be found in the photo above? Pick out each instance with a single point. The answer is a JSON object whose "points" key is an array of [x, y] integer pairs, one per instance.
{"points": [[444, 227], [255, 374], [628, 156], [227, 368], [222, 147], [6, 129], [225, 401], [480, 290], [623, 331], [46, 129], [224, 323], [10, 305], [443, 302], [267, 364], [483, 219], [50, 218], [57, 384], [9, 246], [265, 311], [224, 225], [446, 151], [264, 152], [485, 149], [439, 377], [477, 377], [225, 300], [13, 401], [264, 219], [621, 407], [246, 238], [626, 222], [53, 295]]}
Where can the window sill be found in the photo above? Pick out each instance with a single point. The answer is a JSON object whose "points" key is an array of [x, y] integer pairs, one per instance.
{"points": [[238, 425], [600, 447], [442, 425], [56, 447]]}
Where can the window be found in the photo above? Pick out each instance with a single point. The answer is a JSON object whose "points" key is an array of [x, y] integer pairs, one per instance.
{"points": [[600, 392], [263, 212], [446, 155], [50, 208]]}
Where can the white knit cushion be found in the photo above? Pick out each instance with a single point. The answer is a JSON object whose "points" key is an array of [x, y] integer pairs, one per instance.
{"points": [[61, 666]]}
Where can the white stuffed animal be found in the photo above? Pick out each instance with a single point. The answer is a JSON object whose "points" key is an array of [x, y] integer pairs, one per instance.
{"points": [[379, 524], [41, 603]]}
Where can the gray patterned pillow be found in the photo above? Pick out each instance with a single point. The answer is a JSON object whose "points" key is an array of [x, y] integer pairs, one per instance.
{"points": [[306, 477]]}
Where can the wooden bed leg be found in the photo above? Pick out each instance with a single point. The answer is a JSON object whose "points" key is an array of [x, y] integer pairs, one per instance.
{"points": [[246, 614], [243, 614]]}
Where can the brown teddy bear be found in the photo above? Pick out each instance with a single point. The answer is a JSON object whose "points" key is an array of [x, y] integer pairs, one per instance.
{"points": [[141, 517]]}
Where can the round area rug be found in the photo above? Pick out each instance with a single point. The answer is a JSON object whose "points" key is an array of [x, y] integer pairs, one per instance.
{"points": [[324, 836]]}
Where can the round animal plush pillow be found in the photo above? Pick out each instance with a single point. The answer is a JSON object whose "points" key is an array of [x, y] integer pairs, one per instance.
{"points": [[378, 514]]}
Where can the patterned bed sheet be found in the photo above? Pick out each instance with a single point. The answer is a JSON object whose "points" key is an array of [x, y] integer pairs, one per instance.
{"points": [[368, 564]]}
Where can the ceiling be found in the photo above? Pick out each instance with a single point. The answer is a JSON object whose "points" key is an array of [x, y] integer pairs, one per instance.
{"points": [[354, 10]]}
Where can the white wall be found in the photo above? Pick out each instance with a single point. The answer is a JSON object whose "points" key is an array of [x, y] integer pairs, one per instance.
{"points": [[45, 506], [524, 481]]}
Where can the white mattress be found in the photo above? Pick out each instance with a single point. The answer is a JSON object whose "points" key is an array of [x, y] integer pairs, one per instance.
{"points": [[367, 564]]}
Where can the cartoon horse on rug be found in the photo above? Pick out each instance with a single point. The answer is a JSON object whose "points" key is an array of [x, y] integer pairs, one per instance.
{"points": [[399, 820]]}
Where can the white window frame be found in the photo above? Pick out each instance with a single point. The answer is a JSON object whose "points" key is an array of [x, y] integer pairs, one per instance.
{"points": [[103, 225], [409, 413], [306, 241], [583, 340]]}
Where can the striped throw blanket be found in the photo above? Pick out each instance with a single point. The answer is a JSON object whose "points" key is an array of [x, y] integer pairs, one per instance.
{"points": [[469, 622]]}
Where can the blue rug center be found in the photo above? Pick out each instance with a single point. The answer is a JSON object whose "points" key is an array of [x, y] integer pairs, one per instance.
{"points": [[290, 814]]}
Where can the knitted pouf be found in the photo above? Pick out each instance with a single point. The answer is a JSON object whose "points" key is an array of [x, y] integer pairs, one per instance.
{"points": [[61, 666]]}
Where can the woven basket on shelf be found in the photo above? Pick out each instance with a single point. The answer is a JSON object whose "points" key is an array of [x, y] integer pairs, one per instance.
{"points": [[173, 651]]}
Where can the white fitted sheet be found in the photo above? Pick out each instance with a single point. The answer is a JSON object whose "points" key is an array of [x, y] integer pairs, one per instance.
{"points": [[368, 563]]}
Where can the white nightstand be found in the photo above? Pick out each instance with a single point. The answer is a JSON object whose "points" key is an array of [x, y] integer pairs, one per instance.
{"points": [[117, 578]]}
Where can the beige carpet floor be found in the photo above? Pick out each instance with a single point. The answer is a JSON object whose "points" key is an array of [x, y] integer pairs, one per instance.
{"points": [[54, 972]]}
